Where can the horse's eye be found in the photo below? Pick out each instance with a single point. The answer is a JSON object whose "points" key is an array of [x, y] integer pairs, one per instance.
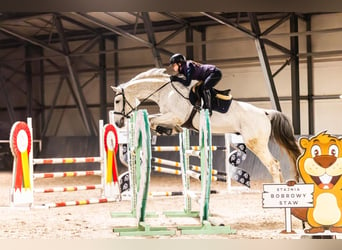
{"points": [[117, 101]]}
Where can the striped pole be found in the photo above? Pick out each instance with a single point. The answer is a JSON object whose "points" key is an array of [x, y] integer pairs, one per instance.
{"points": [[197, 176], [166, 162], [78, 202], [177, 148], [66, 160], [178, 164], [67, 189], [166, 170], [173, 193], [66, 174]]}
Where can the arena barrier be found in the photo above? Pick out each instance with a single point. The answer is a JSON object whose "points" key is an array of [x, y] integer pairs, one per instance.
{"points": [[22, 189], [140, 168]]}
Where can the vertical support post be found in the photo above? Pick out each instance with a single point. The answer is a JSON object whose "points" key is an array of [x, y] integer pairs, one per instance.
{"points": [[116, 61], [295, 75], [31, 155], [204, 46], [288, 221], [6, 99], [103, 80], [184, 142], [189, 39], [227, 163], [28, 73], [311, 107], [132, 169], [102, 156], [42, 90]]}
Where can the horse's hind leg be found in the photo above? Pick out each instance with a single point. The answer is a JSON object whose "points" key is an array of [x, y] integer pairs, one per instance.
{"points": [[261, 150]]}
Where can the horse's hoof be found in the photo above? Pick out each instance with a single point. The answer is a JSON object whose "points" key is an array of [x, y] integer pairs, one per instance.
{"points": [[178, 129]]}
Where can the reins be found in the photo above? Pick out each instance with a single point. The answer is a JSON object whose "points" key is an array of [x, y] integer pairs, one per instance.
{"points": [[174, 87]]}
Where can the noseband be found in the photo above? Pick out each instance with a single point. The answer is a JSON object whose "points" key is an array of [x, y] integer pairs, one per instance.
{"points": [[124, 101]]}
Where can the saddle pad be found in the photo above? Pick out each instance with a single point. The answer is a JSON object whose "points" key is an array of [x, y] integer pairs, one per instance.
{"points": [[224, 97]]}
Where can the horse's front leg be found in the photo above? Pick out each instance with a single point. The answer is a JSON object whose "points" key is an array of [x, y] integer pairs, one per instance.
{"points": [[168, 121]]}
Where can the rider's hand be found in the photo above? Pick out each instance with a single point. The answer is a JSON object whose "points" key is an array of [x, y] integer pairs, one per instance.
{"points": [[173, 78]]}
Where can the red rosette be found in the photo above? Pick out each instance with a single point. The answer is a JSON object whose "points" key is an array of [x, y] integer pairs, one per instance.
{"points": [[108, 129], [17, 128]]}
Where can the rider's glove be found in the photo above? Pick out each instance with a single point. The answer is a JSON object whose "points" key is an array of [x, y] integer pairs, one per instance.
{"points": [[173, 78]]}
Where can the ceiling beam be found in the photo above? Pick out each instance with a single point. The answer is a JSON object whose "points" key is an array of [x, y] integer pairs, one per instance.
{"points": [[112, 28], [7, 101], [29, 39], [222, 20], [152, 39], [265, 65]]}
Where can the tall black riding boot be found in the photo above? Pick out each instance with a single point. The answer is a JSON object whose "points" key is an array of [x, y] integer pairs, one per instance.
{"points": [[207, 100]]}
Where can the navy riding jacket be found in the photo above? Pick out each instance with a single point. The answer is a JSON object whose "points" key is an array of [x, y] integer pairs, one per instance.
{"points": [[195, 71]]}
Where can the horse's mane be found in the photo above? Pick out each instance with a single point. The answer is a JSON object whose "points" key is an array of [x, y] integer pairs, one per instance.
{"points": [[151, 73]]}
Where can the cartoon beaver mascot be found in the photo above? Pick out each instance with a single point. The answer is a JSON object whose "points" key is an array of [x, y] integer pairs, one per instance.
{"points": [[321, 165]]}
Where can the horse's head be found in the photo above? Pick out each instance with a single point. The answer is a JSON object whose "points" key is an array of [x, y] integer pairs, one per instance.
{"points": [[123, 106], [145, 86]]}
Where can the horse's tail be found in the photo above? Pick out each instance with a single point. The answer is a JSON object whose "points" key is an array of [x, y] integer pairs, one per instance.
{"points": [[282, 132]]}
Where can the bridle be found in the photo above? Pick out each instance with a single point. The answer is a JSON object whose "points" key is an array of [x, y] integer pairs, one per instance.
{"points": [[133, 108], [124, 100]]}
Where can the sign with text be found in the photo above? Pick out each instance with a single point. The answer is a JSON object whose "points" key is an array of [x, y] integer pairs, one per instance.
{"points": [[284, 196]]}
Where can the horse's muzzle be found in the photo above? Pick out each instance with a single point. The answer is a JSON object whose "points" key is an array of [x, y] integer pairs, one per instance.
{"points": [[120, 123]]}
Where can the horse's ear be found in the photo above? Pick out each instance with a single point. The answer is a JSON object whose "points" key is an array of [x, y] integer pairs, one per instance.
{"points": [[115, 89]]}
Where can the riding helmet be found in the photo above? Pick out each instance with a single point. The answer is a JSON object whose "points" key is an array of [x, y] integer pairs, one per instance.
{"points": [[177, 58]]}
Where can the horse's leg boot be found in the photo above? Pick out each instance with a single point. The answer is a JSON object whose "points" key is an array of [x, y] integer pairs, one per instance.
{"points": [[163, 130]]}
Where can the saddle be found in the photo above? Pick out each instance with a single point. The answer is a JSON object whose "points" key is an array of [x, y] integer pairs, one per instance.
{"points": [[220, 102], [220, 99]]}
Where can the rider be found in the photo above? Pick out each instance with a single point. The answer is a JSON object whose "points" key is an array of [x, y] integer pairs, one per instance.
{"points": [[209, 74]]}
